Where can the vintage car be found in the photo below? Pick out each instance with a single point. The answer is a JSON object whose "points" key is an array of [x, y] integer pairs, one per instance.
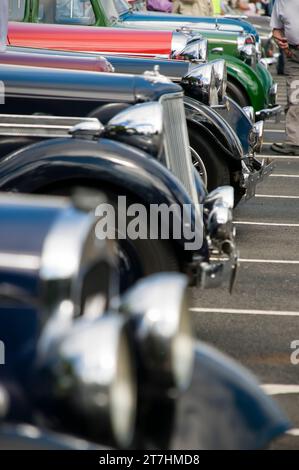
{"points": [[78, 361], [140, 151], [214, 141], [246, 85]]}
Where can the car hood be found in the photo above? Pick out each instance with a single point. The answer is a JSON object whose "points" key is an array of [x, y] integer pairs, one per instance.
{"points": [[90, 39], [211, 23]]}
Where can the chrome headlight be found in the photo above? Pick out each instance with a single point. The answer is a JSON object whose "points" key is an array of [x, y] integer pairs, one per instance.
{"points": [[140, 125], [88, 374], [257, 136], [200, 83], [189, 47], [247, 48], [219, 212], [221, 78], [250, 113], [158, 309]]}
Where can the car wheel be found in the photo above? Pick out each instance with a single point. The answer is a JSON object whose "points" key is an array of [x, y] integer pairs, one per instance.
{"points": [[137, 258], [237, 94], [208, 161]]}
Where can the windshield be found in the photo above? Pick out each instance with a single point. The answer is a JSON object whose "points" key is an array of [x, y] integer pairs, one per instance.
{"points": [[122, 6], [110, 9], [66, 12], [16, 10]]}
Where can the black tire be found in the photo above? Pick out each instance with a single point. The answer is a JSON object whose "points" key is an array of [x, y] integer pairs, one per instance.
{"points": [[218, 173], [138, 258], [237, 94], [143, 257]]}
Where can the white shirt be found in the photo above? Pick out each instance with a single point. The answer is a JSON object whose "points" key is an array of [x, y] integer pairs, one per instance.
{"points": [[3, 24], [285, 15]]}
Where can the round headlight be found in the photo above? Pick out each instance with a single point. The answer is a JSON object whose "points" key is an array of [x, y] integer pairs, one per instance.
{"points": [[140, 125], [88, 375], [221, 78], [200, 83], [158, 309], [194, 49], [247, 48]]}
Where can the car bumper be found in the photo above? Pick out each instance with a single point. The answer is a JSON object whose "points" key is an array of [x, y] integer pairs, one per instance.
{"points": [[254, 175], [268, 113], [219, 271]]}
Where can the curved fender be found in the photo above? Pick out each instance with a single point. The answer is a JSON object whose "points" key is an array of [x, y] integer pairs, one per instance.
{"points": [[249, 79], [14, 437], [211, 124], [225, 408], [105, 163]]}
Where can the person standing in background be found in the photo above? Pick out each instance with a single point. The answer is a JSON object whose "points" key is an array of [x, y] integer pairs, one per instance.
{"points": [[217, 9], [193, 7], [159, 5], [285, 26]]}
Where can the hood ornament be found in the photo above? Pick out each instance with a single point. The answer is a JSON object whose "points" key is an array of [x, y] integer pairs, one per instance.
{"points": [[155, 76]]}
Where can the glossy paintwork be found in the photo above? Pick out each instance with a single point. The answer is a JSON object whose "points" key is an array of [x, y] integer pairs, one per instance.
{"points": [[90, 39], [103, 164], [72, 92], [249, 80], [151, 18], [28, 35], [92, 64], [225, 392], [215, 128], [234, 115], [20, 99]]}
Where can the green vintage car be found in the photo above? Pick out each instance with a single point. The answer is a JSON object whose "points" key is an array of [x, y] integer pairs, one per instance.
{"points": [[249, 81]]}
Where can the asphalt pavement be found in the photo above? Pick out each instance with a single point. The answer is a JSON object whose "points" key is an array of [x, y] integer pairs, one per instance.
{"points": [[258, 322]]}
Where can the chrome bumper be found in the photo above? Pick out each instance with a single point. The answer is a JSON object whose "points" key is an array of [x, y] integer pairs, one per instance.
{"points": [[252, 177], [268, 113], [223, 261], [219, 272]]}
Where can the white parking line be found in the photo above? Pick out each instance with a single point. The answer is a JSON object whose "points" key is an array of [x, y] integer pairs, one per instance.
{"points": [[239, 311], [270, 143], [280, 389], [277, 197], [279, 157], [267, 224], [277, 131], [281, 175], [268, 261]]}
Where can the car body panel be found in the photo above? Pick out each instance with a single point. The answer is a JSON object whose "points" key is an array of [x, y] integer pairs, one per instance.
{"points": [[92, 64], [221, 392], [84, 39], [175, 70], [102, 164], [54, 37]]}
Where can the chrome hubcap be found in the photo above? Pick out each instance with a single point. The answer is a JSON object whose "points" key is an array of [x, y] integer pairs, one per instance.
{"points": [[199, 166]]}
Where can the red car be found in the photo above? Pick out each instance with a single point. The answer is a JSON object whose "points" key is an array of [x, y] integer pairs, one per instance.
{"points": [[165, 44]]}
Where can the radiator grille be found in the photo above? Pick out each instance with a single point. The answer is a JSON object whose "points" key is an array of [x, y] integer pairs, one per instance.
{"points": [[176, 142]]}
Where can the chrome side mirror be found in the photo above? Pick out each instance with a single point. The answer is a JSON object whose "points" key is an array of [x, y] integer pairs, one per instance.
{"points": [[142, 124]]}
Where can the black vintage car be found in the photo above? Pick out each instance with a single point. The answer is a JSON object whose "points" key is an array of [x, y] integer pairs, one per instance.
{"points": [[79, 361], [142, 153], [223, 137]]}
